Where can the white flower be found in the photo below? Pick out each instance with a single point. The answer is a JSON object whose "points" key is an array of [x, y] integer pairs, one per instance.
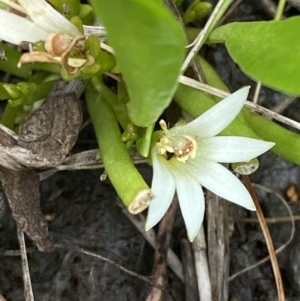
{"points": [[44, 19], [193, 155]]}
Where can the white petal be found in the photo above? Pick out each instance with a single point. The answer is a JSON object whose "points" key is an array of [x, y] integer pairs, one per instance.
{"points": [[163, 188], [232, 149], [46, 17], [221, 181], [191, 199], [15, 29], [216, 119]]}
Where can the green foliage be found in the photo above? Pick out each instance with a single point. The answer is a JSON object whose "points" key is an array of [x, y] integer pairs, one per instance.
{"points": [[267, 51], [149, 46]]}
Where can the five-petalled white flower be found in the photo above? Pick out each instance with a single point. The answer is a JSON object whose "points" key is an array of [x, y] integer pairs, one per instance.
{"points": [[189, 156]]}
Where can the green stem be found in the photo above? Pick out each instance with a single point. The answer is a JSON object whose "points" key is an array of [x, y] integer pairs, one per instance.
{"points": [[280, 9], [9, 116], [10, 64], [40, 93], [126, 179], [215, 17], [112, 100], [145, 143]]}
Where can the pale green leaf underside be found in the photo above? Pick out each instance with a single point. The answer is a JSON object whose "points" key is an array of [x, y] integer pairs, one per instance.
{"points": [[267, 51], [149, 47]]}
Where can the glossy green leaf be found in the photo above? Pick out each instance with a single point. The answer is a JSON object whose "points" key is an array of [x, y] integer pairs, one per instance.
{"points": [[149, 48], [267, 51]]}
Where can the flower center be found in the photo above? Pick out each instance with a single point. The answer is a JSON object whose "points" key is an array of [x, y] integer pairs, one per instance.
{"points": [[180, 146]]}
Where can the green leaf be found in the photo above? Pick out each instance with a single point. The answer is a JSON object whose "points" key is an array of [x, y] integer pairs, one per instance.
{"points": [[267, 51], [149, 46]]}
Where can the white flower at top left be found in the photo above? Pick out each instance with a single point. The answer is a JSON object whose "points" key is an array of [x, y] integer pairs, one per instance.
{"points": [[43, 20]]}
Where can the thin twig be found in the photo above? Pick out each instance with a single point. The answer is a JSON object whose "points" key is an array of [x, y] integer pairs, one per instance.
{"points": [[28, 293], [16, 252], [107, 48], [84, 251], [199, 74], [270, 246], [2, 298], [269, 220], [163, 240], [256, 93], [90, 159], [199, 41], [191, 287], [218, 245], [269, 7], [291, 219], [220, 93], [201, 265], [233, 6], [93, 254]]}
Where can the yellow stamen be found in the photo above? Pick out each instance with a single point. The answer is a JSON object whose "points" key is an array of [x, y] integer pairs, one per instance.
{"points": [[181, 146]]}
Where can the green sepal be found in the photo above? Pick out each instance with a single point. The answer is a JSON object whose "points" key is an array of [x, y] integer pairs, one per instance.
{"points": [[144, 144]]}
